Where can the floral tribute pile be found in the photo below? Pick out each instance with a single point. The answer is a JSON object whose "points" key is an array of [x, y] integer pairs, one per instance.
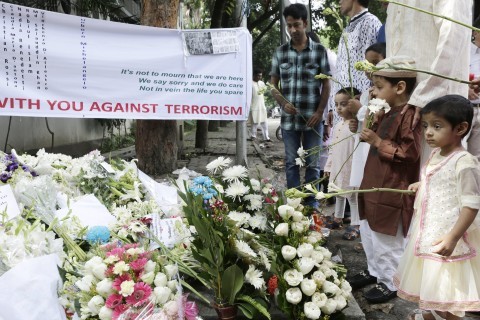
{"points": [[245, 245]]}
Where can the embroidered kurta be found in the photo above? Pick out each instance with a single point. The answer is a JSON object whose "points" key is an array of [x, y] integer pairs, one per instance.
{"points": [[447, 185], [394, 164], [258, 109]]}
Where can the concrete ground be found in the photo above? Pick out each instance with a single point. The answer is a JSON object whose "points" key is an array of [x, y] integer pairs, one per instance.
{"points": [[266, 160]]}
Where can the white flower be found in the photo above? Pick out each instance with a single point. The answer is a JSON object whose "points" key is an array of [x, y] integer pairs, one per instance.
{"points": [[326, 253], [85, 283], [304, 250], [105, 313], [162, 294], [264, 260], [258, 221], [240, 218], [171, 308], [317, 256], [294, 295], [346, 288], [135, 251], [341, 302], [173, 285], [255, 184], [235, 173], [256, 201], [137, 227], [254, 277], [171, 270], [305, 264], [160, 280], [319, 299], [299, 162], [126, 288], [148, 277], [320, 195], [295, 203], [95, 304], [301, 153], [327, 271], [120, 267], [219, 188], [293, 277], [329, 307], [311, 310], [308, 287], [150, 266], [104, 287], [244, 250], [282, 229], [376, 105], [289, 252], [309, 187], [236, 189], [218, 164], [330, 288], [332, 187], [285, 211], [297, 216], [300, 226], [319, 278]]}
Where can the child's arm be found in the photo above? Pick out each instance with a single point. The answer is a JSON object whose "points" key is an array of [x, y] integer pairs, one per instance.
{"points": [[408, 148], [445, 245], [414, 186]]}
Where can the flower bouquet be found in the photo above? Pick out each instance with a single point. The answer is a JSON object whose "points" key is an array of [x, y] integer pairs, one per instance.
{"points": [[306, 284]]}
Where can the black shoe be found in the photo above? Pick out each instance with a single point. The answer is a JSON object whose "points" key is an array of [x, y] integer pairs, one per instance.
{"points": [[361, 280], [379, 294]]}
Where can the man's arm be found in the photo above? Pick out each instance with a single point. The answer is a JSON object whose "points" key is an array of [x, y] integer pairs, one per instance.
{"points": [[284, 103], [316, 118]]}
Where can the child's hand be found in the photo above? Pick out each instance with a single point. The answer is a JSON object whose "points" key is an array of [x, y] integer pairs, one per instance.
{"points": [[370, 137], [353, 125], [353, 106], [414, 186], [444, 245]]}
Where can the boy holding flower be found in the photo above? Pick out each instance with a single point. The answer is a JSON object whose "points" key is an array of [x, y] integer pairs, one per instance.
{"points": [[393, 162]]}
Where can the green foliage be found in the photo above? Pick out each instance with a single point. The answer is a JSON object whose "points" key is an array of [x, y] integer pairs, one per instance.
{"points": [[232, 283]]}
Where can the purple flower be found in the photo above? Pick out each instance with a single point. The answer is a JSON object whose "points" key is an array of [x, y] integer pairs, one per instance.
{"points": [[5, 176], [12, 166]]}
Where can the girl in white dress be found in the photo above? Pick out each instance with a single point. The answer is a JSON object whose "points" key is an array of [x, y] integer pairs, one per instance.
{"points": [[440, 268]]}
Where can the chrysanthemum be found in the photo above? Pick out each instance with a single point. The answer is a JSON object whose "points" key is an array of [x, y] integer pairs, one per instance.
{"points": [[244, 249], [218, 164], [255, 201], [236, 189], [258, 221], [254, 277], [240, 218], [235, 173]]}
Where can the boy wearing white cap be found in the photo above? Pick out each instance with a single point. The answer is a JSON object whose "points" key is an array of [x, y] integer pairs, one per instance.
{"points": [[393, 162]]}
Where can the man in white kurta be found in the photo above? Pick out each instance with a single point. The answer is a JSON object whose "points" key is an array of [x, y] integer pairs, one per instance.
{"points": [[436, 44], [257, 108], [473, 138]]}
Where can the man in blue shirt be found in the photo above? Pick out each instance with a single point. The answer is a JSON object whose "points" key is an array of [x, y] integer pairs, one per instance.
{"points": [[294, 66]]}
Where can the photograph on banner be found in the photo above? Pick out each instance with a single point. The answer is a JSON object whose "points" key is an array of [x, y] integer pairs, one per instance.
{"points": [[58, 65]]}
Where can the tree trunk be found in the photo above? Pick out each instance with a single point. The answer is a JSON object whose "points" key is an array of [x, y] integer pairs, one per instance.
{"points": [[156, 140]]}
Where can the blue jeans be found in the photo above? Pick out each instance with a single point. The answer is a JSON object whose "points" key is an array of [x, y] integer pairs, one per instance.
{"points": [[308, 139]]}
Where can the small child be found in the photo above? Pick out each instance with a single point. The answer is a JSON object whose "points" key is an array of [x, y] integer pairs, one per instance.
{"points": [[393, 162], [440, 266], [339, 161]]}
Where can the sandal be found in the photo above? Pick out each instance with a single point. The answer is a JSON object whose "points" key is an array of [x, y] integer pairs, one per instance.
{"points": [[351, 233], [330, 223], [418, 315]]}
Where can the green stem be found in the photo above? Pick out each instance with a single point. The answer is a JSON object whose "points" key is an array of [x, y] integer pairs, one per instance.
{"points": [[432, 14], [409, 192], [198, 294], [428, 72]]}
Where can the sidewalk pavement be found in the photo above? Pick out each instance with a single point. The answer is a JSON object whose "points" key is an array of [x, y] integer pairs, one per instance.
{"points": [[266, 160]]}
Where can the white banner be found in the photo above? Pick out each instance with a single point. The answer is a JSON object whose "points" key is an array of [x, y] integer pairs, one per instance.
{"points": [[58, 65]]}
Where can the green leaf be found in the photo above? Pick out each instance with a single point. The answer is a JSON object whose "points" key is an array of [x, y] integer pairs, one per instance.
{"points": [[232, 282], [247, 310], [259, 307]]}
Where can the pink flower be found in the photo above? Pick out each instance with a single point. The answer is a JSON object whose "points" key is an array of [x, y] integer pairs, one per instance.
{"points": [[119, 280], [113, 301], [116, 252], [130, 246], [190, 308], [141, 292], [117, 312], [138, 264]]}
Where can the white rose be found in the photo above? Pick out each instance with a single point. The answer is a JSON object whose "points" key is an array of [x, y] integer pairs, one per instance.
{"points": [[150, 266], [160, 280], [319, 299], [171, 270], [308, 287], [171, 308], [148, 277], [305, 265], [282, 229], [105, 313], [285, 211], [319, 278], [293, 295], [85, 283], [162, 294], [298, 227], [317, 256], [341, 302], [326, 271], [293, 277], [330, 288], [297, 216], [104, 287], [326, 253], [289, 252], [126, 288], [328, 263], [311, 310], [95, 304], [172, 284], [305, 250], [346, 288], [329, 307], [99, 271], [92, 263], [294, 202]]}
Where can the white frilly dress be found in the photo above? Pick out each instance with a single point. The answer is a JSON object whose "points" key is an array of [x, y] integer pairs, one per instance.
{"points": [[435, 282]]}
